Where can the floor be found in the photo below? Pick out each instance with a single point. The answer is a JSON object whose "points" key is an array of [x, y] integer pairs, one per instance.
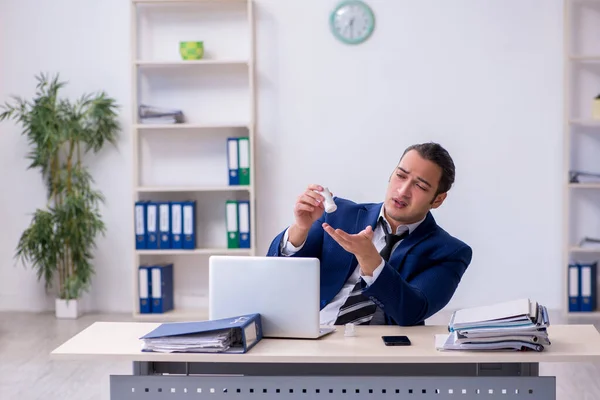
{"points": [[26, 372]]}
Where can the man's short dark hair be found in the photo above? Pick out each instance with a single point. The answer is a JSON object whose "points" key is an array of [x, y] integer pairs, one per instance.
{"points": [[438, 155]]}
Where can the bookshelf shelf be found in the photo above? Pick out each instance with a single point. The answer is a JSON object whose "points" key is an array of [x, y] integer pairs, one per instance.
{"points": [[585, 122], [182, 163], [167, 2], [199, 314], [178, 252], [177, 64], [588, 58], [161, 127], [194, 189], [576, 249], [584, 185], [582, 314]]}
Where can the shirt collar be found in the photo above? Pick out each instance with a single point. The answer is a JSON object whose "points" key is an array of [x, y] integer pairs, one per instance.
{"points": [[401, 228]]}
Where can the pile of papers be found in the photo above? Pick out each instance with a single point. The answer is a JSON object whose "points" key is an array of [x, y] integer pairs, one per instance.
{"points": [[583, 177], [206, 342], [518, 325], [156, 115], [227, 335]]}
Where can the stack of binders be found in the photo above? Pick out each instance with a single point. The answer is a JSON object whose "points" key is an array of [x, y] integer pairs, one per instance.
{"points": [[582, 287], [156, 288], [238, 160], [519, 325], [237, 214], [165, 225]]}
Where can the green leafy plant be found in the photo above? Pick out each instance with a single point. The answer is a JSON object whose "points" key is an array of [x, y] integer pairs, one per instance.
{"points": [[60, 238]]}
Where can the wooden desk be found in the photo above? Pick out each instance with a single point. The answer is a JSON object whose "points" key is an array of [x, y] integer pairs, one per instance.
{"points": [[334, 366]]}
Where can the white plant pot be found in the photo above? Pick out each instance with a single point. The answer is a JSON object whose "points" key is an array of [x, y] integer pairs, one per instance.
{"points": [[70, 309]]}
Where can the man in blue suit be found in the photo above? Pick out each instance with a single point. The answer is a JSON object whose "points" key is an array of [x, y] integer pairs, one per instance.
{"points": [[382, 263]]}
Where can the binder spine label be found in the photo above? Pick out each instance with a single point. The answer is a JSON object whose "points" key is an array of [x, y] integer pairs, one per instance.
{"points": [[244, 164], [176, 219], [189, 226], [139, 220], [151, 218], [152, 234], [586, 281], [145, 301], [233, 152], [164, 218], [233, 161], [143, 283], [176, 229], [574, 283], [156, 288], [231, 215], [244, 223], [164, 225], [188, 220], [140, 226]]}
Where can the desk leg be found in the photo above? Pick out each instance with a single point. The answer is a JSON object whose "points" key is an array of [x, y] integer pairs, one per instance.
{"points": [[143, 368], [508, 369]]}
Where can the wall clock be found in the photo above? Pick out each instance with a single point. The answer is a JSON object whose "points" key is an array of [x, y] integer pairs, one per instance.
{"points": [[352, 21]]}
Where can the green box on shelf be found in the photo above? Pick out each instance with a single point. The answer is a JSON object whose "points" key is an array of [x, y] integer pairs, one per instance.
{"points": [[191, 50]]}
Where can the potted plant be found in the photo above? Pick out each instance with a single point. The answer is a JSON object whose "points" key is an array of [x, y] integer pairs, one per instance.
{"points": [[59, 241]]}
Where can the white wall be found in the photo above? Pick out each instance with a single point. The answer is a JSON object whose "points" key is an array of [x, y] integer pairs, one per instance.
{"points": [[73, 38], [484, 79]]}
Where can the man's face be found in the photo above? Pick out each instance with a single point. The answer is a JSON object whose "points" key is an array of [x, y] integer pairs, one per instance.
{"points": [[411, 190]]}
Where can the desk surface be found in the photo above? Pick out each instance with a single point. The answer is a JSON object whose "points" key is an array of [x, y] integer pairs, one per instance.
{"points": [[120, 341]]}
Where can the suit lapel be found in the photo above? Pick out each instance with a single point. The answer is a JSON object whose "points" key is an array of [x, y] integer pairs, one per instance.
{"points": [[367, 215], [423, 231]]}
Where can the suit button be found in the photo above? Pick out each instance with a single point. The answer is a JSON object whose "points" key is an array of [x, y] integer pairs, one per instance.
{"points": [[372, 298]]}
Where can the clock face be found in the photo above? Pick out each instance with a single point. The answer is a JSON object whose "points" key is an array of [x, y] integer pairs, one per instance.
{"points": [[352, 22]]}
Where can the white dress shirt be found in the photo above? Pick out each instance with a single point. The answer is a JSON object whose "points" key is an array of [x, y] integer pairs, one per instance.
{"points": [[329, 313]]}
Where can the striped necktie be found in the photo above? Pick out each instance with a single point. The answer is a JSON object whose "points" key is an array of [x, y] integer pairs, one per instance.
{"points": [[358, 308]]}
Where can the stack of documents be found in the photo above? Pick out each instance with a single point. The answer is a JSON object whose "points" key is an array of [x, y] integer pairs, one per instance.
{"points": [[156, 115], [584, 177], [211, 342], [229, 335], [514, 325]]}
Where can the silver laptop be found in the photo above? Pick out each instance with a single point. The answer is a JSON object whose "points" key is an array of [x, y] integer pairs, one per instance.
{"points": [[284, 290]]}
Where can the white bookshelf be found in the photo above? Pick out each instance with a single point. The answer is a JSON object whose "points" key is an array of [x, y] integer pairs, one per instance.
{"points": [[581, 136], [189, 160]]}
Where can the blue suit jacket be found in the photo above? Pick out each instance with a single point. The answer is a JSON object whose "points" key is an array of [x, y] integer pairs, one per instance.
{"points": [[420, 278]]}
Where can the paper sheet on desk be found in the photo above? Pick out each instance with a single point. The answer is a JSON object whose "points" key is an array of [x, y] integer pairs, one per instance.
{"points": [[511, 311]]}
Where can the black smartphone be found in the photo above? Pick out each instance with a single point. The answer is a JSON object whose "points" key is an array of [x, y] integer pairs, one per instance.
{"points": [[396, 340]]}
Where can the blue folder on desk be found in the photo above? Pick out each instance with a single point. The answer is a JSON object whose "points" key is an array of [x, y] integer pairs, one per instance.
{"points": [[243, 332]]}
